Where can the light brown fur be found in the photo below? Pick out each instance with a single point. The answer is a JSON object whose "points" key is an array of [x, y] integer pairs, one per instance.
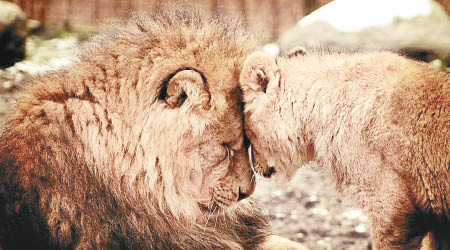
{"points": [[376, 122], [138, 145]]}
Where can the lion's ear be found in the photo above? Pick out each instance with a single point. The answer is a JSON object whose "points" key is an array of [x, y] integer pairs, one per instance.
{"points": [[186, 85], [296, 51], [259, 73]]}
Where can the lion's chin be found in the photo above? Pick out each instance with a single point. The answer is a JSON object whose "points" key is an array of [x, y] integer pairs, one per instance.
{"points": [[211, 209], [214, 208]]}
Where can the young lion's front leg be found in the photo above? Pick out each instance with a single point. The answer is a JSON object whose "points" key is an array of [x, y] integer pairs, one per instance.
{"points": [[394, 223], [393, 237]]}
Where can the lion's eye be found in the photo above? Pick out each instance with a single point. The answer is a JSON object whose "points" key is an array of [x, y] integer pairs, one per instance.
{"points": [[224, 153], [228, 150], [215, 153]]}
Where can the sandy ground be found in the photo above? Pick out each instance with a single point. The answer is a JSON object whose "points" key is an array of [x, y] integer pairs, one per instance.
{"points": [[306, 210]]}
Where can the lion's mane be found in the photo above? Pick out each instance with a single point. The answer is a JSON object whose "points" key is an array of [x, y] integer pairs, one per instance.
{"points": [[73, 169]]}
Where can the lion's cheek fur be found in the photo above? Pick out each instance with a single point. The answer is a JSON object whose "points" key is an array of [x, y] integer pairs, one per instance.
{"points": [[130, 157]]}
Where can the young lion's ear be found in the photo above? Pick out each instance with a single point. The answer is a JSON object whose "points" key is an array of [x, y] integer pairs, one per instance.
{"points": [[296, 51], [260, 73]]}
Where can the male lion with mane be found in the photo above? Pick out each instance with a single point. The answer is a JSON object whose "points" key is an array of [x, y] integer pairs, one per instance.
{"points": [[137, 145], [376, 122]]}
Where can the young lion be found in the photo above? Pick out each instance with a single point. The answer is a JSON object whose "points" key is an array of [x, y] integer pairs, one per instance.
{"points": [[377, 123], [138, 145]]}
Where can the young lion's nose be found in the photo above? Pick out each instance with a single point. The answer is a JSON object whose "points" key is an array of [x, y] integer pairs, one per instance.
{"points": [[269, 172]]}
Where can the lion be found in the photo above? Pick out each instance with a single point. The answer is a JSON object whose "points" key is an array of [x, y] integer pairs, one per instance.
{"points": [[377, 123], [136, 145]]}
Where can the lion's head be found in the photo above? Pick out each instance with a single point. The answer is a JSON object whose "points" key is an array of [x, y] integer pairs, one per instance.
{"points": [[168, 88], [144, 127]]}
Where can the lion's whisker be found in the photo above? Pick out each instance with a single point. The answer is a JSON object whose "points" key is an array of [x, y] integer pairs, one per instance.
{"points": [[225, 219], [209, 216], [215, 223]]}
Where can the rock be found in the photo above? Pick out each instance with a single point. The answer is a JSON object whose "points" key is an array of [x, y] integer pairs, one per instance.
{"points": [[419, 28], [438, 64], [8, 84], [33, 26], [12, 34], [272, 48], [361, 228], [11, 79]]}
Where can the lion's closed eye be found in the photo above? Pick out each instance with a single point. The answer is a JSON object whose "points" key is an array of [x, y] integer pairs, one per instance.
{"points": [[215, 154], [229, 152]]}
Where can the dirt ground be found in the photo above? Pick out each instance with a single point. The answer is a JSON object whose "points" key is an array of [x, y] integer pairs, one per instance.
{"points": [[306, 210]]}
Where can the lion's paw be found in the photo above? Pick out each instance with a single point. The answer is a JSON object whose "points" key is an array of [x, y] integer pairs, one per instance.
{"points": [[275, 242]]}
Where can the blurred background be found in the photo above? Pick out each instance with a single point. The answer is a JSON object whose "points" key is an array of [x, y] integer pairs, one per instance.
{"points": [[39, 35], [275, 15]]}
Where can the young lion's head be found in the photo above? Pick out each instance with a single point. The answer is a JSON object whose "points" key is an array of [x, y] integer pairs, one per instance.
{"points": [[269, 117], [149, 118]]}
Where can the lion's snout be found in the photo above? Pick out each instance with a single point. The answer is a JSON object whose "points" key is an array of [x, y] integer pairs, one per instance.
{"points": [[245, 191]]}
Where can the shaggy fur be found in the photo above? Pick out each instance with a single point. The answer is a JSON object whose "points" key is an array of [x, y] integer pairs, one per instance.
{"points": [[138, 145], [377, 123]]}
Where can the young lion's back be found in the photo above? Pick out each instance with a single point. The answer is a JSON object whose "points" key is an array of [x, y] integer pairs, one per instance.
{"points": [[401, 110], [377, 122]]}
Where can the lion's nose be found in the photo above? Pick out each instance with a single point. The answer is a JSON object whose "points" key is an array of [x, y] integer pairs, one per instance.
{"points": [[242, 193], [242, 196]]}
